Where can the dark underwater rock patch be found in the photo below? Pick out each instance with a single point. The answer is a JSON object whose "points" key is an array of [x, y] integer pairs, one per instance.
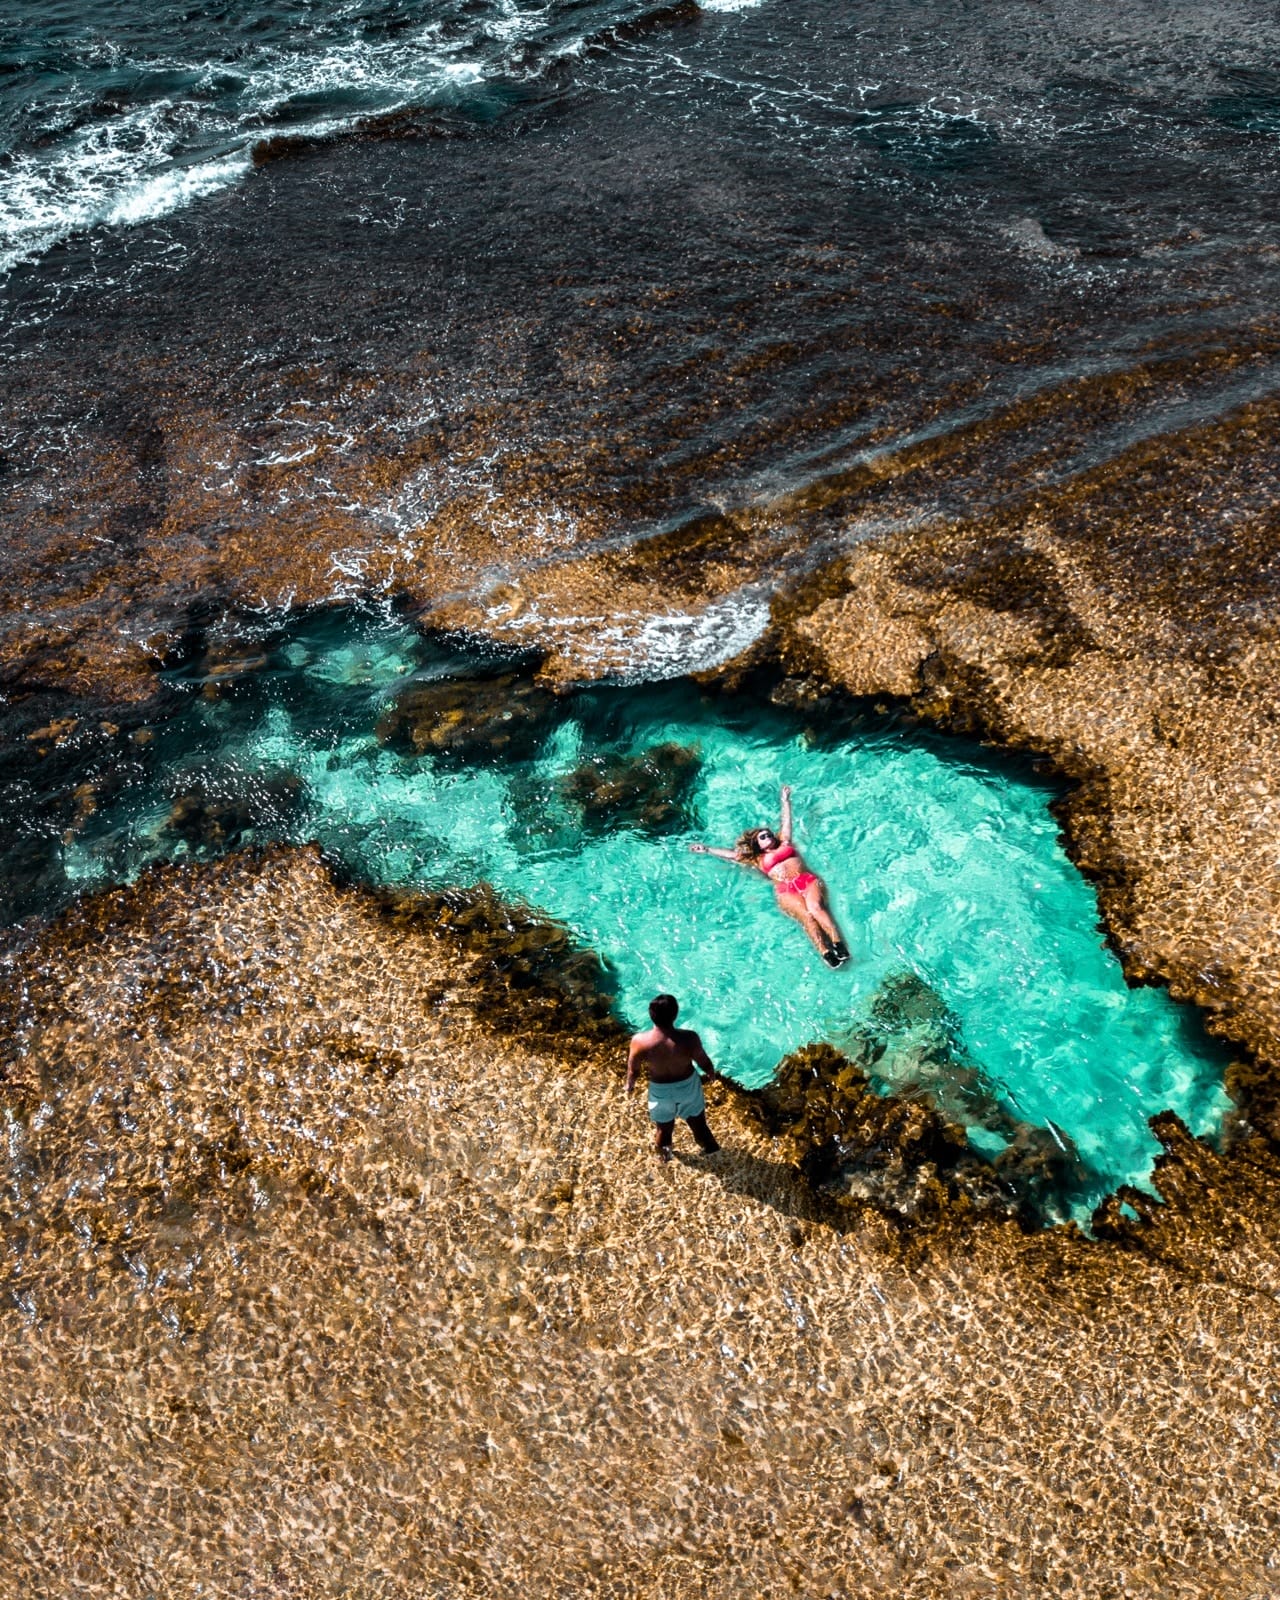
{"points": [[217, 809], [469, 718], [649, 791], [895, 1151], [530, 977]]}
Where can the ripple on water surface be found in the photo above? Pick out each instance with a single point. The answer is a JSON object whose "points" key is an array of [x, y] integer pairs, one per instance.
{"points": [[974, 940]]}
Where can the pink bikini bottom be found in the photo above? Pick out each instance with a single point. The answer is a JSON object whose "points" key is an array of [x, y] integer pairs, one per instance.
{"points": [[796, 885]]}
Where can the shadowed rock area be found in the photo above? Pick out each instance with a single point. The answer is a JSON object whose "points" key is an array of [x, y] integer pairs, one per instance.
{"points": [[318, 1287], [215, 810]]}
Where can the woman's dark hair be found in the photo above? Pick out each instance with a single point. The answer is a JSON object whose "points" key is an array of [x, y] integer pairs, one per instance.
{"points": [[748, 846], [663, 1009]]}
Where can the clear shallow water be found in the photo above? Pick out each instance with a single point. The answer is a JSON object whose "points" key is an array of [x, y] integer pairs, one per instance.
{"points": [[941, 864]]}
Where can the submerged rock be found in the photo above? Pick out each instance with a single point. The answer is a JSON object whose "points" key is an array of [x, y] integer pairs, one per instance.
{"points": [[901, 1150], [217, 809], [1044, 1169], [905, 999], [850, 1141], [925, 1052], [529, 974], [925, 1055], [648, 791], [469, 717]]}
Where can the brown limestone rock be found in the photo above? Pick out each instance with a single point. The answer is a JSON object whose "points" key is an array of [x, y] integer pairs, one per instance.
{"points": [[279, 1205], [535, 981]]}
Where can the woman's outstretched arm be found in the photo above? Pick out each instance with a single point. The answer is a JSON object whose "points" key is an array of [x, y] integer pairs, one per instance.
{"points": [[711, 850], [785, 834]]}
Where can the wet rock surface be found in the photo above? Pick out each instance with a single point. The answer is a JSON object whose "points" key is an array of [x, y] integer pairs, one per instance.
{"points": [[855, 1134], [279, 1205], [842, 1136], [536, 982], [248, 1279]]}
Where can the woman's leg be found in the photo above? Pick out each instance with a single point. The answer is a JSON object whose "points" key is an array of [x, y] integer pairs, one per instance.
{"points": [[794, 906], [815, 899]]}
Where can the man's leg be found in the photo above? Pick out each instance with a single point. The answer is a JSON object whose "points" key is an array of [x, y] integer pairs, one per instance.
{"points": [[662, 1132], [707, 1141]]}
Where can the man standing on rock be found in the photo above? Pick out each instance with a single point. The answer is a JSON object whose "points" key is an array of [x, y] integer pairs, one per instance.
{"points": [[669, 1056]]}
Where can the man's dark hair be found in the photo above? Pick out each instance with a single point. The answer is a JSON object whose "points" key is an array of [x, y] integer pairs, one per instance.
{"points": [[663, 1008]]}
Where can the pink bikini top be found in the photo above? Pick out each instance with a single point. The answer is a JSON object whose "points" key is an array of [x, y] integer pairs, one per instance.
{"points": [[775, 858]]}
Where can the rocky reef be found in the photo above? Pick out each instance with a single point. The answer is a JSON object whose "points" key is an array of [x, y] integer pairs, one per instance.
{"points": [[215, 810], [502, 714], [885, 1119], [1071, 627], [335, 1262]]}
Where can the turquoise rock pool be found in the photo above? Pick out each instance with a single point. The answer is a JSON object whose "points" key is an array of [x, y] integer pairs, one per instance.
{"points": [[974, 941]]}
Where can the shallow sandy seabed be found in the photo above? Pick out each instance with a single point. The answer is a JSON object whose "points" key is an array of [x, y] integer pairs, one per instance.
{"points": [[316, 1288]]}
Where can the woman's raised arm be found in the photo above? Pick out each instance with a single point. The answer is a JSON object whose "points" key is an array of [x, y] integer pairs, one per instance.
{"points": [[785, 834]]}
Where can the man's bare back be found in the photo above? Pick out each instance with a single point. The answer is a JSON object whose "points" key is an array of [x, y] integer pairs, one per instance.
{"points": [[667, 1057]]}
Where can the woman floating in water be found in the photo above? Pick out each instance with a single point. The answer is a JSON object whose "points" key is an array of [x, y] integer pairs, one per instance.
{"points": [[800, 893]]}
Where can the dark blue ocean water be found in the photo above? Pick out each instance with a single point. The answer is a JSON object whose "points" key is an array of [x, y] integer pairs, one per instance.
{"points": [[1084, 127]]}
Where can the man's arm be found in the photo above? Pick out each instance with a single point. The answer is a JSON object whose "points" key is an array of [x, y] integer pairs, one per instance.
{"points": [[633, 1066], [701, 1059]]}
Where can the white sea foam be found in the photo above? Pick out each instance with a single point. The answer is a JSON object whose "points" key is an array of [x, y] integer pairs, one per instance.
{"points": [[166, 191], [169, 152], [1028, 234], [119, 173], [675, 643], [87, 170], [644, 647]]}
